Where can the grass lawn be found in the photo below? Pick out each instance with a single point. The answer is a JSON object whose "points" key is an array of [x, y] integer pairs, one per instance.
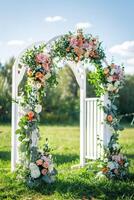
{"points": [[71, 184]]}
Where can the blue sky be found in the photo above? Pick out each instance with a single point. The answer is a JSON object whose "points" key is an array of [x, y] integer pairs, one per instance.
{"points": [[25, 21]]}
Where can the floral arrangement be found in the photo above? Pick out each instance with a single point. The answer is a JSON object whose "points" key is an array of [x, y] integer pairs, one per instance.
{"points": [[42, 170], [114, 78], [78, 47], [41, 73], [115, 165], [113, 82]]}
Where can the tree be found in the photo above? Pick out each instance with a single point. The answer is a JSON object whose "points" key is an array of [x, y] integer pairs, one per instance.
{"points": [[126, 99]]}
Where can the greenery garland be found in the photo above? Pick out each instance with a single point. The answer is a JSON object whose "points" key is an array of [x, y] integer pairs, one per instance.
{"points": [[41, 73]]}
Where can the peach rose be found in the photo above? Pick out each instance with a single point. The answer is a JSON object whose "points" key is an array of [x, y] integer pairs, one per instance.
{"points": [[78, 51], [45, 165], [113, 65], [67, 49], [39, 162], [30, 115], [106, 71], [93, 54], [105, 170], [109, 118], [39, 75]]}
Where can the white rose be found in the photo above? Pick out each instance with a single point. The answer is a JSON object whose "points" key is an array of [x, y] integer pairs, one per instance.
{"points": [[38, 108], [38, 85], [110, 79], [126, 164], [117, 83], [35, 172], [86, 54], [48, 75], [110, 87], [106, 160]]}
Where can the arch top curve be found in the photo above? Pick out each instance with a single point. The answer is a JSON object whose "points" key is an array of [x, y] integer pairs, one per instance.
{"points": [[77, 69]]}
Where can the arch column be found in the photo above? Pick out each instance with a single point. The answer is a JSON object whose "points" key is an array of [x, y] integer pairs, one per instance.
{"points": [[80, 75], [14, 137], [83, 119]]}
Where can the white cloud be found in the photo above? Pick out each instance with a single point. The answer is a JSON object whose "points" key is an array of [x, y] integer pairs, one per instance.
{"points": [[30, 39], [55, 19], [124, 49], [16, 43], [130, 61], [83, 25]]}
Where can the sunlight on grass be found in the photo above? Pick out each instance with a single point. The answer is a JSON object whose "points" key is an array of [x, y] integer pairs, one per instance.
{"points": [[71, 184]]}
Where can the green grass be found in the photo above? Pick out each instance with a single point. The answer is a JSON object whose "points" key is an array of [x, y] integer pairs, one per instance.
{"points": [[71, 183]]}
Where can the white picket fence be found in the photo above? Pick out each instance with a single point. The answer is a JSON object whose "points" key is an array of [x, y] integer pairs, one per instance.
{"points": [[94, 129]]}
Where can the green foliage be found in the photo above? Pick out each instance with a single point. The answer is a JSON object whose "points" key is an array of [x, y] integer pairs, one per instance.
{"points": [[96, 78], [29, 58]]}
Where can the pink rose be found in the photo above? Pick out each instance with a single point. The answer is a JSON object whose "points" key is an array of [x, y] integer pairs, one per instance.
{"points": [[91, 43], [73, 42], [44, 171], [115, 77], [41, 58], [39, 162], [86, 45], [117, 158]]}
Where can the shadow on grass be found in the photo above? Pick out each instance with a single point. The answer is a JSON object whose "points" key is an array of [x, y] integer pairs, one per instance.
{"points": [[130, 156], [5, 155], [77, 188], [60, 159]]}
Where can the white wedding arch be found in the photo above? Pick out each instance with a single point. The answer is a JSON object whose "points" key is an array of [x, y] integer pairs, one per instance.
{"points": [[94, 134]]}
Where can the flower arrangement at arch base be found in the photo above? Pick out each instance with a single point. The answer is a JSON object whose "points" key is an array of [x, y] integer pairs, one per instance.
{"points": [[41, 170], [114, 164]]}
